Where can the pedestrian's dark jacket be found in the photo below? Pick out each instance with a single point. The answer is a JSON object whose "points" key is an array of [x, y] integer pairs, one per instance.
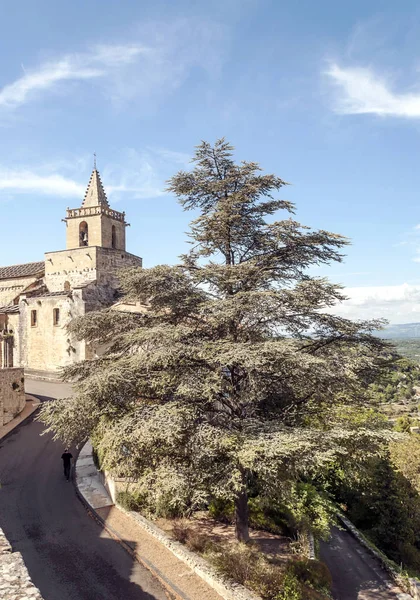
{"points": [[66, 456]]}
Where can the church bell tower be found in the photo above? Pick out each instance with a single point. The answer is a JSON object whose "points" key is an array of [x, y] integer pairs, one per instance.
{"points": [[95, 223]]}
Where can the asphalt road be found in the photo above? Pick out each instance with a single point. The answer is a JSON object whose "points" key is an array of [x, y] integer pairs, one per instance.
{"points": [[356, 574], [68, 555]]}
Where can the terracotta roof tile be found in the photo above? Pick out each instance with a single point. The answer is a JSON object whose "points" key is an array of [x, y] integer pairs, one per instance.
{"points": [[14, 308], [25, 270]]}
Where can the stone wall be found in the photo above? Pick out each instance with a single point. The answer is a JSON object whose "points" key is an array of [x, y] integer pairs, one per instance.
{"points": [[12, 393], [10, 288], [85, 264], [110, 261], [15, 582], [99, 229], [47, 346], [69, 266], [13, 325]]}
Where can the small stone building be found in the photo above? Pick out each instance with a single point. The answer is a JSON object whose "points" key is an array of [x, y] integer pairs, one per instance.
{"points": [[39, 299]]}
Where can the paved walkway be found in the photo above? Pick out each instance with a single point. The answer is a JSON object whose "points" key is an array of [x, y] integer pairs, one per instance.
{"points": [[180, 580]]}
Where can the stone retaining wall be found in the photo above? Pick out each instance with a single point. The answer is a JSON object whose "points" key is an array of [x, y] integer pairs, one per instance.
{"points": [[15, 583], [12, 394]]}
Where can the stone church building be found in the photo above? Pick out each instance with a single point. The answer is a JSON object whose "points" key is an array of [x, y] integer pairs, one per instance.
{"points": [[38, 299]]}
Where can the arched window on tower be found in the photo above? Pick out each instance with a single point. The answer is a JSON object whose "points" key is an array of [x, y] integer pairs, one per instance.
{"points": [[83, 234], [114, 237], [67, 287]]}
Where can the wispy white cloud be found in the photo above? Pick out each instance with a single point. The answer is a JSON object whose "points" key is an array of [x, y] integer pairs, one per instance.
{"points": [[77, 67], [362, 91], [138, 174], [397, 303], [158, 59], [24, 181]]}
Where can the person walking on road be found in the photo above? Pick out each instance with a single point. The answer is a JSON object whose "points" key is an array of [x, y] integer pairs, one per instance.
{"points": [[66, 456]]}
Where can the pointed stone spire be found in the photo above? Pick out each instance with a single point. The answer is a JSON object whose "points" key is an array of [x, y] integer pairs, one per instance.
{"points": [[95, 193]]}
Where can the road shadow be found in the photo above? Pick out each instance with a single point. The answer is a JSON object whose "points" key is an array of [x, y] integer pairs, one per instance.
{"points": [[356, 574], [68, 554]]}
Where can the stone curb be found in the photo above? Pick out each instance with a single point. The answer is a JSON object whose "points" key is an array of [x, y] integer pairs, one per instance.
{"points": [[312, 553], [414, 584], [226, 589], [15, 582]]}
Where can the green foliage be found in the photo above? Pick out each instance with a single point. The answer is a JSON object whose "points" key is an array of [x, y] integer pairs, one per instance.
{"points": [[312, 573], [405, 456], [292, 590], [310, 509], [236, 372], [130, 500], [222, 510], [404, 424], [247, 566], [267, 516], [410, 348], [396, 382]]}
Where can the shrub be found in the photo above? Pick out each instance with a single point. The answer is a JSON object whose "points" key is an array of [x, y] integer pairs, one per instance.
{"points": [[237, 562], [194, 540], [311, 572], [130, 500], [180, 531], [403, 424], [410, 556], [291, 588], [268, 517], [222, 510], [245, 565], [197, 542]]}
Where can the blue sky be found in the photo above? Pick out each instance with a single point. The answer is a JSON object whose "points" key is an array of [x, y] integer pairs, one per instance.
{"points": [[325, 94]]}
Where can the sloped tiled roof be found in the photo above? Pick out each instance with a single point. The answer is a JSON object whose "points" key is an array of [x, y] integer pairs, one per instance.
{"points": [[45, 294], [84, 284], [25, 270], [14, 308]]}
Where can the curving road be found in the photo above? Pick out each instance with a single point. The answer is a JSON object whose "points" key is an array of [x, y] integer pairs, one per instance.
{"points": [[356, 574], [68, 555]]}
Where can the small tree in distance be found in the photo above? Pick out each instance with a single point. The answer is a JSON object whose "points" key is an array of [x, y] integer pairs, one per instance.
{"points": [[234, 377]]}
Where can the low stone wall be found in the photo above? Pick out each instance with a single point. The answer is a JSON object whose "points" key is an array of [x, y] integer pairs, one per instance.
{"points": [[12, 393], [15, 583]]}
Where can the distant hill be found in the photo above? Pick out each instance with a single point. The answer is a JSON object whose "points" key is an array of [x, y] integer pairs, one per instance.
{"points": [[400, 332], [405, 337]]}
